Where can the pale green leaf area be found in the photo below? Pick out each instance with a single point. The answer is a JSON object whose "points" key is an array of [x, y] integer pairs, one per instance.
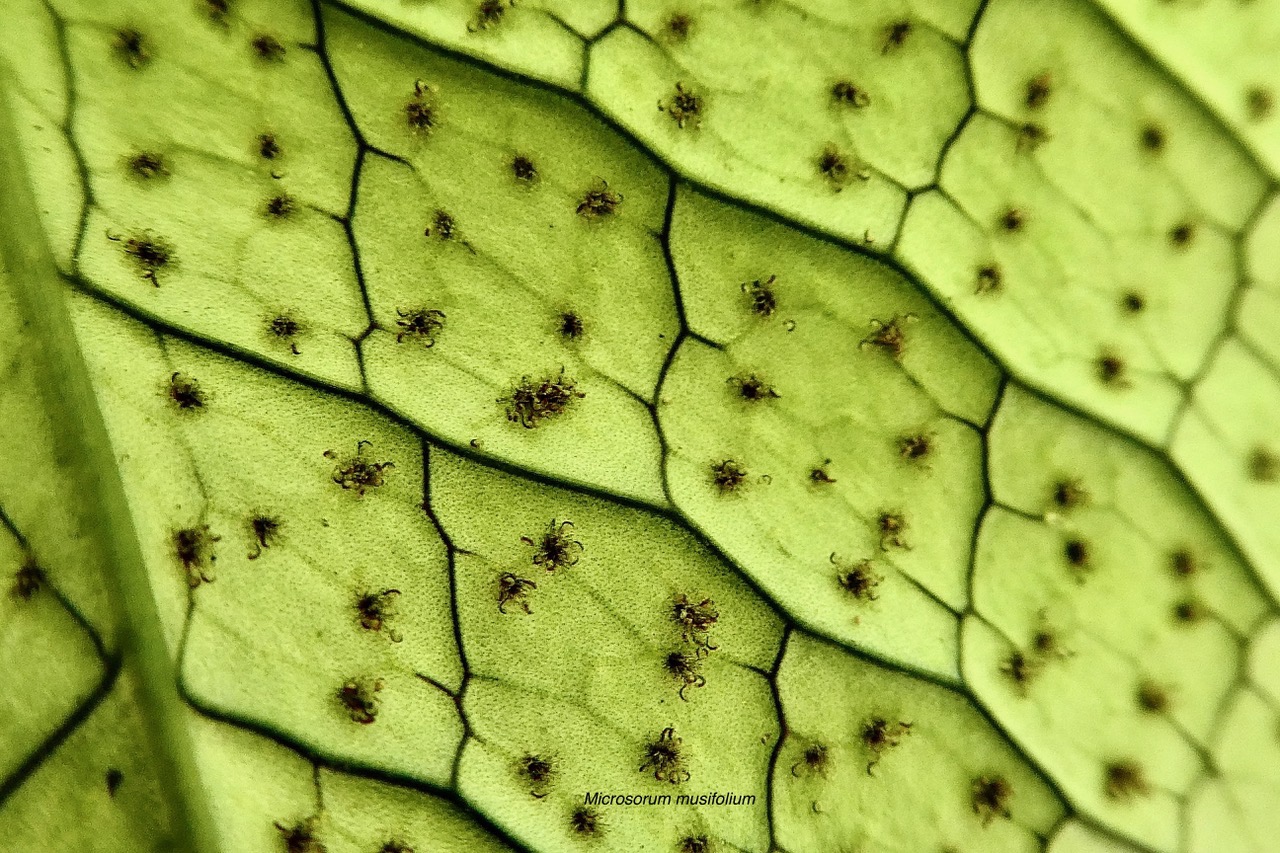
{"points": [[419, 416], [1222, 51], [95, 789], [1081, 571], [545, 40], [844, 405], [837, 804], [1258, 312], [517, 247], [1115, 255]]}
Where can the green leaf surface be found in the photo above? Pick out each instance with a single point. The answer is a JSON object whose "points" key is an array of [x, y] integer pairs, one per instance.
{"points": [[476, 425]]}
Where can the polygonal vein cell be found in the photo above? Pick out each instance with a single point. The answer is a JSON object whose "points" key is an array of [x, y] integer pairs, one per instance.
{"points": [[1109, 616], [826, 114], [266, 797], [96, 790], [825, 445], [540, 39], [48, 663], [1079, 228], [513, 263], [1235, 808], [38, 98], [629, 662], [215, 182], [1228, 442], [1257, 319], [293, 522], [44, 517], [1221, 52], [877, 760]]}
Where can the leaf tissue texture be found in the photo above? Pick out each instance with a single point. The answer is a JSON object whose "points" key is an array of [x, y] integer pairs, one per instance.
{"points": [[774, 426]]}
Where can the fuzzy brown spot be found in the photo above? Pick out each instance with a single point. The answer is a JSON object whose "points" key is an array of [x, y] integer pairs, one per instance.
{"points": [[421, 324], [1125, 780], [185, 393], [1182, 234], [1183, 563], [879, 736], [599, 202], [218, 10], [538, 772], [887, 336], [285, 328], [265, 530], [1264, 465], [761, 296], [586, 821], [1038, 90], [268, 146], [375, 609], [1260, 102], [301, 837], [193, 547], [915, 447], [131, 46], [1188, 611], [422, 110], [685, 107], [835, 167], [665, 757], [530, 403], [859, 579], [1153, 138], [1152, 697], [685, 668], [1031, 136], [815, 759], [1013, 220], [267, 47], [489, 14], [678, 27], [1070, 494], [695, 622], [695, 844], [728, 475], [1111, 369], [523, 169], [1020, 668], [845, 92], [359, 696], [821, 476], [149, 254], [555, 549], [896, 35], [1076, 552], [280, 206], [752, 388], [989, 797], [990, 279], [357, 473], [512, 587], [28, 579], [892, 527], [148, 165]]}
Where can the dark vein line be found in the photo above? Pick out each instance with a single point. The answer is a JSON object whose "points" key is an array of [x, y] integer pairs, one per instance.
{"points": [[45, 750], [340, 765]]}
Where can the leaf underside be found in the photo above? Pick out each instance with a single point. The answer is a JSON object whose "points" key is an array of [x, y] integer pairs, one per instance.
{"points": [[422, 416]]}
